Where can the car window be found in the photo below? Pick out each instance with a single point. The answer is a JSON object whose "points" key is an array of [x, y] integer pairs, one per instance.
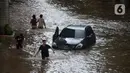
{"points": [[79, 33], [71, 33]]}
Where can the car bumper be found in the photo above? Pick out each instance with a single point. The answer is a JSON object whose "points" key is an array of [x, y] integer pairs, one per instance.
{"points": [[66, 47]]}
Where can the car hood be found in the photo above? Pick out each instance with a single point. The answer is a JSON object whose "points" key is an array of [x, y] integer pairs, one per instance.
{"points": [[73, 41]]}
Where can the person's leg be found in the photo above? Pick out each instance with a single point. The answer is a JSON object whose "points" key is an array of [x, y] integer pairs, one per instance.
{"points": [[21, 46], [43, 56], [17, 46], [46, 58], [41, 27]]}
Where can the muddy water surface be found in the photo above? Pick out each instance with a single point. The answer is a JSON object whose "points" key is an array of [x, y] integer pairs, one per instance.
{"points": [[110, 54]]}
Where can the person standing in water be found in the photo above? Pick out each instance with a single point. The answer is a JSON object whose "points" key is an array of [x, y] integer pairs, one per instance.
{"points": [[41, 22], [34, 22], [44, 49], [19, 41]]}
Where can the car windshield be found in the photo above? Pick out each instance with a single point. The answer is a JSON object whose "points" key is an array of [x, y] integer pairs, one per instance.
{"points": [[72, 33]]}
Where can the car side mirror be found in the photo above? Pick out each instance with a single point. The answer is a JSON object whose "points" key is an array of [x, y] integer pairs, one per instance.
{"points": [[56, 34]]}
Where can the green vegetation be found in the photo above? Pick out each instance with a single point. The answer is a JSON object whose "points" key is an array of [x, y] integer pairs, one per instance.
{"points": [[6, 30], [5, 40]]}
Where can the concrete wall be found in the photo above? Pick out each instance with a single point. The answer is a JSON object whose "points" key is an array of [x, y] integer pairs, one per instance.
{"points": [[4, 12]]}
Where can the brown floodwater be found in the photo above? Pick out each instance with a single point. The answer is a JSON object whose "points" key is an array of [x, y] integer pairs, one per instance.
{"points": [[110, 54]]}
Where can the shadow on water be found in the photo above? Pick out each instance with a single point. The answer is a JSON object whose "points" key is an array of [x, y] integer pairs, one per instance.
{"points": [[39, 66], [11, 59]]}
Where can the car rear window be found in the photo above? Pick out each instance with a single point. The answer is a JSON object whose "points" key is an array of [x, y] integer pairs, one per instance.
{"points": [[72, 33]]}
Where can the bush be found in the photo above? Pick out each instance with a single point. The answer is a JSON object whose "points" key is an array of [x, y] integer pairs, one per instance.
{"points": [[7, 30]]}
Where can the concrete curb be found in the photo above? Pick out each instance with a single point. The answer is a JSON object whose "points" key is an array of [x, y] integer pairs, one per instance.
{"points": [[8, 35]]}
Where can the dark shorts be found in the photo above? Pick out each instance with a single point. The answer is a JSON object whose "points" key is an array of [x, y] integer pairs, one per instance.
{"points": [[44, 55], [19, 45], [40, 27], [34, 26]]}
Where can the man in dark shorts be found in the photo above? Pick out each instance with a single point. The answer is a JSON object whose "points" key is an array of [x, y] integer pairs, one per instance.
{"points": [[19, 41], [44, 49]]}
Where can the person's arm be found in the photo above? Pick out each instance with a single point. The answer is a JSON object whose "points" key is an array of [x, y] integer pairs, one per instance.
{"points": [[44, 23], [23, 38], [37, 20], [90, 35], [31, 21], [51, 48], [37, 52]]}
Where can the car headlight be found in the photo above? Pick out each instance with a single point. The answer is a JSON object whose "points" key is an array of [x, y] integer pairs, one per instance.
{"points": [[80, 45], [54, 44]]}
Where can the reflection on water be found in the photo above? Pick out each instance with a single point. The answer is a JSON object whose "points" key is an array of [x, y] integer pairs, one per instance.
{"points": [[11, 62], [109, 54], [100, 8]]}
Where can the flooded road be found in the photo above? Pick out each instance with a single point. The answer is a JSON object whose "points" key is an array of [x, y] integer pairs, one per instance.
{"points": [[110, 54]]}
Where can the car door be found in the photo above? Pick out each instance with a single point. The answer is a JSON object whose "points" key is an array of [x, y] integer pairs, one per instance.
{"points": [[56, 34], [90, 35]]}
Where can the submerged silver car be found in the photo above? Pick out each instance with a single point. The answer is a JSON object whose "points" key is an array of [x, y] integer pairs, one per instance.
{"points": [[73, 37]]}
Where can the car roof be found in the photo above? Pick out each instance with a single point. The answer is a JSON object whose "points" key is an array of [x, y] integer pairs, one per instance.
{"points": [[77, 27]]}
